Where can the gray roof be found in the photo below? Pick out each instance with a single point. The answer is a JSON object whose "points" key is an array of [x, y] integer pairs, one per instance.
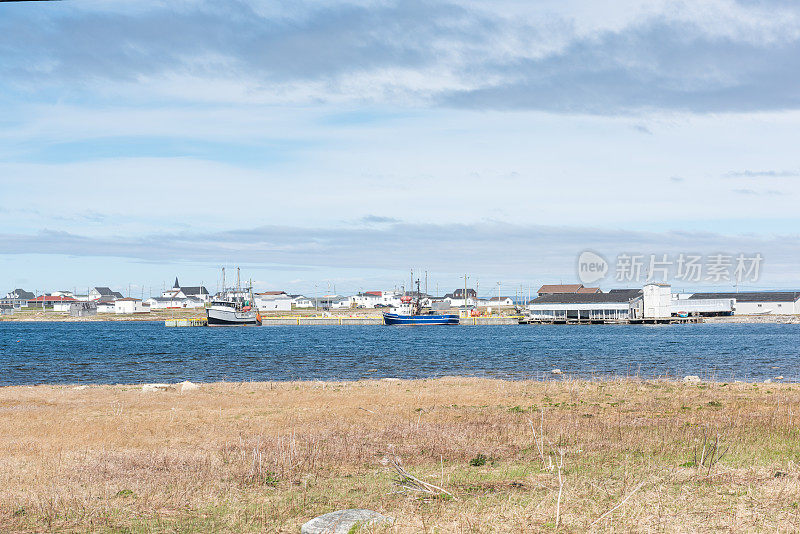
{"points": [[752, 296], [626, 293], [583, 298], [106, 292], [194, 290], [22, 294]]}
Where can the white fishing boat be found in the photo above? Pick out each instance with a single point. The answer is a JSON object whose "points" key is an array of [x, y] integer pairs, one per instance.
{"points": [[234, 306]]}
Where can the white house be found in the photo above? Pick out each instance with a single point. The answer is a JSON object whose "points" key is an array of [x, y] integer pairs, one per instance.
{"points": [[166, 303], [501, 302], [104, 293], [300, 301], [454, 302], [273, 301], [105, 306], [340, 303], [179, 292], [368, 299], [130, 306]]}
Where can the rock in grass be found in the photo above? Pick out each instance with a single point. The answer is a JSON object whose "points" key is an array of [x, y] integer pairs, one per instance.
{"points": [[691, 379], [556, 372], [150, 388], [342, 521], [188, 386]]}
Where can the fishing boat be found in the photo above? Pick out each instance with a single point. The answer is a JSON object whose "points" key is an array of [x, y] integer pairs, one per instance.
{"points": [[234, 306], [410, 313]]}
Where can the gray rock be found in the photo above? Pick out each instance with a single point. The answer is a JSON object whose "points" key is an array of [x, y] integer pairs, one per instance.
{"points": [[556, 372], [187, 386], [341, 521], [691, 379]]}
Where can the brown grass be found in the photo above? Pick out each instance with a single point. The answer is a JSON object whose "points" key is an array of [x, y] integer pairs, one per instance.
{"points": [[269, 456]]}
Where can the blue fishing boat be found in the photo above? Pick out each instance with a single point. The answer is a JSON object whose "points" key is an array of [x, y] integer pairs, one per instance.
{"points": [[420, 319], [410, 313]]}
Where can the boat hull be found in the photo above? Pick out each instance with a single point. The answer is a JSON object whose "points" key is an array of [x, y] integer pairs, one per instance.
{"points": [[218, 317], [419, 320]]}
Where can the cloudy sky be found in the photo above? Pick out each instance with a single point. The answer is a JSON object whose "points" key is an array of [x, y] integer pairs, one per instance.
{"points": [[343, 143]]}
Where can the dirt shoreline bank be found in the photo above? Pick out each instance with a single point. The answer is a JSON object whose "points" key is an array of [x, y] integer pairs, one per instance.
{"points": [[267, 456]]}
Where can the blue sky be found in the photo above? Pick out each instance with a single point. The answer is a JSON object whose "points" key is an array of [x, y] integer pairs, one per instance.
{"points": [[342, 143]]}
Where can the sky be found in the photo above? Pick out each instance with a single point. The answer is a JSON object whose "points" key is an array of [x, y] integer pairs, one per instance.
{"points": [[334, 146]]}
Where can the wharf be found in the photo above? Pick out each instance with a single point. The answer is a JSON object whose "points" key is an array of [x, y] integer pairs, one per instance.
{"points": [[665, 320], [193, 321]]}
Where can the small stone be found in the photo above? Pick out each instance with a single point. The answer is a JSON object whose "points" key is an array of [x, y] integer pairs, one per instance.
{"points": [[556, 372], [81, 388], [779, 377], [768, 381], [188, 386], [691, 379], [149, 388], [390, 379], [342, 521]]}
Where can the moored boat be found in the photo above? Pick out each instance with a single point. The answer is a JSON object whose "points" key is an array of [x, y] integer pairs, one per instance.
{"points": [[410, 313], [233, 307], [419, 319]]}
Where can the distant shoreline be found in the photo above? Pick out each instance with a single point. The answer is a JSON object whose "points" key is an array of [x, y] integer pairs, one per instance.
{"points": [[53, 317]]}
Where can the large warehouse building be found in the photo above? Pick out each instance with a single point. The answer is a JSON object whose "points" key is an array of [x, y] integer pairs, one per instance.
{"points": [[757, 302]]}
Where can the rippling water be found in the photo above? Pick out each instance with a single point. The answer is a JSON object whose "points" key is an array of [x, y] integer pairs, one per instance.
{"points": [[120, 352]]}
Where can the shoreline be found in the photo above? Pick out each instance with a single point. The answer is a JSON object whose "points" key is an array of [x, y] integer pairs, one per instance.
{"points": [[545, 377], [318, 319], [269, 456]]}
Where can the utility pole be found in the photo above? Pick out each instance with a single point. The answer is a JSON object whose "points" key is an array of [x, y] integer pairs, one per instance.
{"points": [[465, 291]]}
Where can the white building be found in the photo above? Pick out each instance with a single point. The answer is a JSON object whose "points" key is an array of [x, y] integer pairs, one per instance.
{"points": [[757, 302], [178, 292], [104, 293], [370, 299], [273, 301], [453, 302], [166, 303], [614, 305], [300, 301], [130, 306], [501, 302], [682, 304], [105, 306], [654, 303]]}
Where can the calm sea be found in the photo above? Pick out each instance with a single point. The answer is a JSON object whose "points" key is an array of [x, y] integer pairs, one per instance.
{"points": [[120, 352]]}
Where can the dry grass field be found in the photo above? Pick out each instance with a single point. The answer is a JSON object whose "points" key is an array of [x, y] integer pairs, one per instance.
{"points": [[562, 455]]}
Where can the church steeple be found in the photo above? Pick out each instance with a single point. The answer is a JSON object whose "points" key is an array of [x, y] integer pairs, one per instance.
{"points": [[177, 285]]}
